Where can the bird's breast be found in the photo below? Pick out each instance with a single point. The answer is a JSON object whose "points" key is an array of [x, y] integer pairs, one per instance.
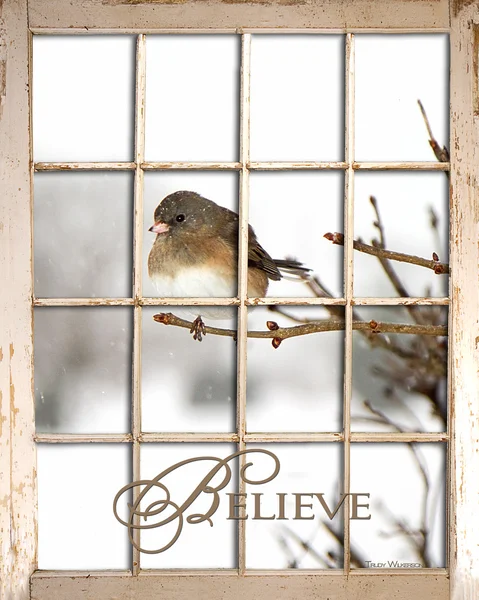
{"points": [[195, 282], [198, 283]]}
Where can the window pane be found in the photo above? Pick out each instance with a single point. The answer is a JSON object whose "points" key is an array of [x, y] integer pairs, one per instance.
{"points": [[400, 380], [83, 369], [83, 234], [290, 212], [83, 97], [297, 84], [298, 537], [200, 545], [76, 487], [407, 504], [222, 189], [392, 73], [192, 93], [298, 386], [186, 385], [414, 210]]}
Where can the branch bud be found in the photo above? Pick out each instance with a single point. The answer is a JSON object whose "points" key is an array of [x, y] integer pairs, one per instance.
{"points": [[336, 238], [162, 318], [276, 342]]}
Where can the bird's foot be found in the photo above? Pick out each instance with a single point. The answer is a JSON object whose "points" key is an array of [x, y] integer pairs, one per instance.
{"points": [[198, 329]]}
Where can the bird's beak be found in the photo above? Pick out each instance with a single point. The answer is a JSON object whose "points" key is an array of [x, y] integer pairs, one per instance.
{"points": [[159, 227]]}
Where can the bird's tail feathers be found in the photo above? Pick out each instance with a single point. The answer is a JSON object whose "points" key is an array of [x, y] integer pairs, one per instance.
{"points": [[292, 270]]}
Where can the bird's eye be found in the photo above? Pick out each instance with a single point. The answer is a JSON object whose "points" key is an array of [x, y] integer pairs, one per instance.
{"points": [[180, 218]]}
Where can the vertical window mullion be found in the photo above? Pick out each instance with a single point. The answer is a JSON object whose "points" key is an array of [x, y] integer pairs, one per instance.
{"points": [[348, 281], [140, 67], [243, 275]]}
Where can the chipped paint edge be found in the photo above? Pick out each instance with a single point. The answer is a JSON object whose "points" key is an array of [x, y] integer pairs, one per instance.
{"points": [[464, 309], [18, 525]]}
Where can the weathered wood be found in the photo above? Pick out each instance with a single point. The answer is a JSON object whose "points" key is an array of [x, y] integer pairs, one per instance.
{"points": [[464, 334], [17, 450], [229, 15], [229, 586], [18, 525]]}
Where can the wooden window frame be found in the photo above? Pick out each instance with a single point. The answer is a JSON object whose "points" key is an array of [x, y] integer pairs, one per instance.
{"points": [[18, 530]]}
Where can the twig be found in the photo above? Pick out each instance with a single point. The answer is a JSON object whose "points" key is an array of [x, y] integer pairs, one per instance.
{"points": [[442, 154], [292, 561], [434, 222], [277, 334], [385, 263], [356, 559], [305, 545], [421, 545], [378, 223], [438, 267]]}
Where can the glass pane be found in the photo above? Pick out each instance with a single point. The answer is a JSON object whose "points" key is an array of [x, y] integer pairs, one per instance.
{"points": [[83, 369], [299, 536], [407, 504], [76, 487], [203, 545], [400, 380], [83, 234], [175, 275], [298, 386], [186, 385], [392, 73], [414, 213], [83, 97], [297, 87], [290, 212], [192, 93]]}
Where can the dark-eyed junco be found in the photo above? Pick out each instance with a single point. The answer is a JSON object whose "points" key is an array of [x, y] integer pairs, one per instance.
{"points": [[195, 253]]}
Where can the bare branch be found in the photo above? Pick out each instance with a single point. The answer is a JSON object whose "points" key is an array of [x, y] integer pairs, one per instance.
{"points": [[438, 267], [386, 263], [306, 546], [356, 559], [421, 544], [378, 223], [282, 333], [442, 154]]}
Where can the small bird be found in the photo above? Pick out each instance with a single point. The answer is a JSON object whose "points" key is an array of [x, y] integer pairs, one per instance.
{"points": [[195, 254]]}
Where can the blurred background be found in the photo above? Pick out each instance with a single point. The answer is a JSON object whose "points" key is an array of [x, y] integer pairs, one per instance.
{"points": [[83, 110]]}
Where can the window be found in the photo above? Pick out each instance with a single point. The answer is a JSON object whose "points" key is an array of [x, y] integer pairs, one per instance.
{"points": [[18, 455]]}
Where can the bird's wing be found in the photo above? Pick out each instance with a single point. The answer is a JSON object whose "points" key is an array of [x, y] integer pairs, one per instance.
{"points": [[259, 258]]}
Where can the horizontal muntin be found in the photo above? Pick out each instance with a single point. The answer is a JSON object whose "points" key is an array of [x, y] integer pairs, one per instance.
{"points": [[83, 438], [400, 301], [42, 574], [119, 438], [401, 166], [398, 437], [251, 438], [137, 302], [269, 301], [84, 166], [234, 30], [200, 437], [237, 166], [295, 165], [196, 166]]}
